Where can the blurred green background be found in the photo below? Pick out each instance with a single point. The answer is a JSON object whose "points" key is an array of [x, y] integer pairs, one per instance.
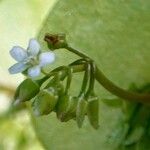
{"points": [[114, 33]]}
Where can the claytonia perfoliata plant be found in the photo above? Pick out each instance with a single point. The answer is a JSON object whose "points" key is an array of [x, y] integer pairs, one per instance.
{"points": [[52, 93], [31, 59]]}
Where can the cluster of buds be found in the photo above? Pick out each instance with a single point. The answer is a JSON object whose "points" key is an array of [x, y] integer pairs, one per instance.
{"points": [[51, 93]]}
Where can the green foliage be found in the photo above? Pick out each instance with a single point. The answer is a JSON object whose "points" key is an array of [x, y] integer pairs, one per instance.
{"points": [[115, 35]]}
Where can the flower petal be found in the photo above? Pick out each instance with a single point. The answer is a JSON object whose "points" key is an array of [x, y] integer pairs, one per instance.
{"points": [[17, 68], [46, 58], [33, 47], [18, 53], [34, 71]]}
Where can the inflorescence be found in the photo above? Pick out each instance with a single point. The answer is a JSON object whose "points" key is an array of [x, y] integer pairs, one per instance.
{"points": [[51, 93]]}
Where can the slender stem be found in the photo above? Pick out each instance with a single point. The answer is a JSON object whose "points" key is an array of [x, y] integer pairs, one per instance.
{"points": [[44, 72], [106, 83], [85, 79], [69, 78], [92, 79], [110, 86], [114, 89], [77, 62], [77, 52]]}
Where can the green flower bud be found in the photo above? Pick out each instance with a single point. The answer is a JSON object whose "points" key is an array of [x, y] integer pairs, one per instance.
{"points": [[72, 105], [93, 111], [56, 41], [81, 111], [44, 102], [71, 109], [26, 91], [62, 106], [59, 87]]}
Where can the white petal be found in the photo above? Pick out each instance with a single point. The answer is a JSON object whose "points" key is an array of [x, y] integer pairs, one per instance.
{"points": [[34, 47], [34, 71], [17, 68], [18, 53], [46, 58]]}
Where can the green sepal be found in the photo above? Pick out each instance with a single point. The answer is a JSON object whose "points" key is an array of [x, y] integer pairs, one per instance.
{"points": [[81, 111], [44, 102], [62, 106], [93, 111], [26, 90], [59, 87]]}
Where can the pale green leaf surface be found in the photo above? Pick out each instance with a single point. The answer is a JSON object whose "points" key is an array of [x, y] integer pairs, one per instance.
{"points": [[116, 35]]}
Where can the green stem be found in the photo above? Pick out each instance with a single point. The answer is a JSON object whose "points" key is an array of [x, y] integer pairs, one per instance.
{"points": [[92, 79], [85, 79], [110, 86], [44, 72], [77, 52], [69, 78]]}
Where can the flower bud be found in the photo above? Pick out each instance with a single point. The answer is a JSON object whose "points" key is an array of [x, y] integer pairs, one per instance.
{"points": [[62, 106], [26, 90], [81, 111], [71, 109], [60, 88], [56, 41], [57, 85], [93, 111], [44, 102]]}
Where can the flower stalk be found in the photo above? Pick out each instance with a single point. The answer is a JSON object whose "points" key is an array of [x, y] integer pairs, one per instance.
{"points": [[49, 93], [104, 81]]}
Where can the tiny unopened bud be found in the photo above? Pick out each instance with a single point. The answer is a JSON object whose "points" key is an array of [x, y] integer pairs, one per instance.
{"points": [[71, 109], [93, 111], [56, 41], [61, 107], [44, 102], [81, 111]]}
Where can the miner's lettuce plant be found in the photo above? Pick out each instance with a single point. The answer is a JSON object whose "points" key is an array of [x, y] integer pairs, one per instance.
{"points": [[53, 92]]}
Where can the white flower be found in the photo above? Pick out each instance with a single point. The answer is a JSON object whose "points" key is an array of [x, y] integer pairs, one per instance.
{"points": [[31, 59]]}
